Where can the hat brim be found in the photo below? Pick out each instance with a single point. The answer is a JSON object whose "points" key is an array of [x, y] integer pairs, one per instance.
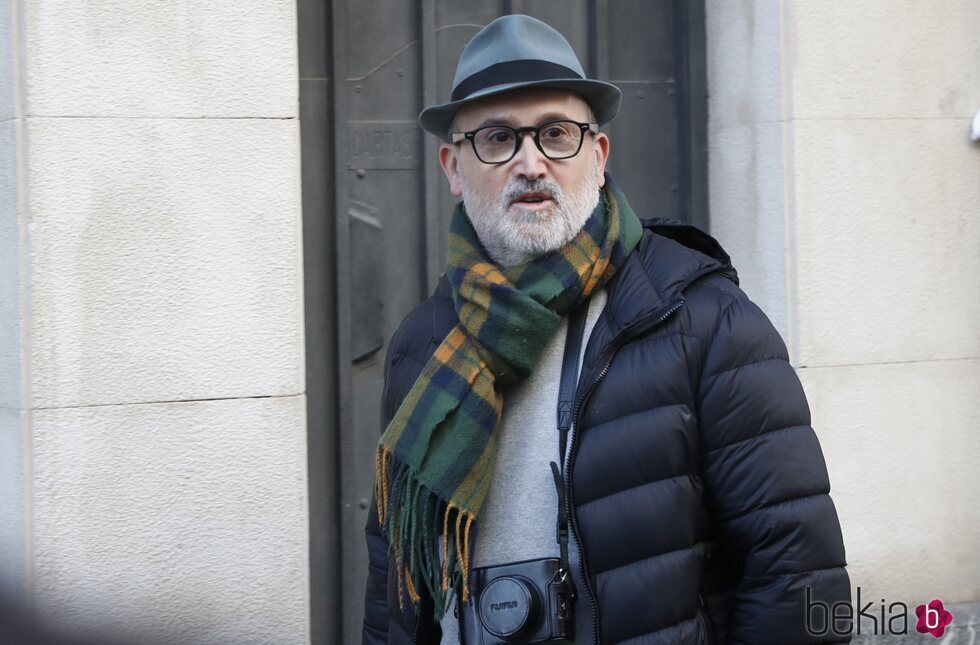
{"points": [[604, 98]]}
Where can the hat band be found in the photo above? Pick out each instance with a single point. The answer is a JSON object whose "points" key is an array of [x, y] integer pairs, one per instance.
{"points": [[512, 71]]}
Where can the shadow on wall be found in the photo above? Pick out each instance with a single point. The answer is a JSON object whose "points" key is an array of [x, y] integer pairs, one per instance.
{"points": [[17, 627]]}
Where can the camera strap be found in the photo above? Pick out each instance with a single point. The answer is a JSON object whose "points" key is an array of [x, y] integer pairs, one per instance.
{"points": [[569, 374], [566, 402]]}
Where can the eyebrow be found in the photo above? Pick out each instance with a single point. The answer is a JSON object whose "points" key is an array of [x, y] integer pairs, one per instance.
{"points": [[503, 120]]}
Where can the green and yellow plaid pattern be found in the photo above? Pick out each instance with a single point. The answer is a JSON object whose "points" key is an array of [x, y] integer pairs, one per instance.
{"points": [[435, 459]]}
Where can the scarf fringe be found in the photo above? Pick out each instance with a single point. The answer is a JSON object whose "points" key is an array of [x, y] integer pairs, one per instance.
{"points": [[410, 514]]}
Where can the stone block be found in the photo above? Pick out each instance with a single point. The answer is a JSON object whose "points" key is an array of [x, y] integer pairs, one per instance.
{"points": [[888, 264], [166, 260], [885, 59], [746, 174], [901, 447], [744, 63], [144, 58], [176, 522], [11, 386], [8, 73]]}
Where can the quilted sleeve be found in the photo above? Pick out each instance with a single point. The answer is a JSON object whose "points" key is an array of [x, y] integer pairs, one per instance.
{"points": [[375, 629], [767, 486]]}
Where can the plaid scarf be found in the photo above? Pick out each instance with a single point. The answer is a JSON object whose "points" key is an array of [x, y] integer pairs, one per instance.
{"points": [[435, 459]]}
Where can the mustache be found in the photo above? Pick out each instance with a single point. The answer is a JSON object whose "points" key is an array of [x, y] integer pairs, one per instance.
{"points": [[518, 187]]}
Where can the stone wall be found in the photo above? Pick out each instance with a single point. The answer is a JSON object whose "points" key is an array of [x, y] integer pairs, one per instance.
{"points": [[152, 428]]}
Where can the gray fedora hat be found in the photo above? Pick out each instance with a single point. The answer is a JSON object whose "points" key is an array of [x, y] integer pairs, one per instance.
{"points": [[513, 52]]}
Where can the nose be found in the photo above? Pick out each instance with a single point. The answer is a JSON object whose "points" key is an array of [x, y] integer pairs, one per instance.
{"points": [[529, 162]]}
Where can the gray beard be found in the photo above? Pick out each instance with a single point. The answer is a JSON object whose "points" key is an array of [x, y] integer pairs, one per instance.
{"points": [[512, 236]]}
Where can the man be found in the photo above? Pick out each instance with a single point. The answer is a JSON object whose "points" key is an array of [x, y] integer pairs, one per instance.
{"points": [[592, 435]]}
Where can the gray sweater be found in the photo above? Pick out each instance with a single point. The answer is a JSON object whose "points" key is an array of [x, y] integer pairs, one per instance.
{"points": [[518, 519]]}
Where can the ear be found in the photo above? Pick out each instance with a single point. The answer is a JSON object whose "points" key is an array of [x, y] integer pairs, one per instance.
{"points": [[450, 166], [602, 155]]}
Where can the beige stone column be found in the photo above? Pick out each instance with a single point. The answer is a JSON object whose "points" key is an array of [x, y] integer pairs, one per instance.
{"points": [[152, 395], [847, 190]]}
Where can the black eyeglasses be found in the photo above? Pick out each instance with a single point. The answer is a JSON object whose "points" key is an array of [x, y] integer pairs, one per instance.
{"points": [[495, 144]]}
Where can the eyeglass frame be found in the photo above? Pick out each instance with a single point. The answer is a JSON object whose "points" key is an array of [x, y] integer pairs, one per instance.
{"points": [[458, 137]]}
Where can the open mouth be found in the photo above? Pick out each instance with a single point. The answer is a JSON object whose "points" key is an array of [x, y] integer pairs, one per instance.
{"points": [[532, 198]]}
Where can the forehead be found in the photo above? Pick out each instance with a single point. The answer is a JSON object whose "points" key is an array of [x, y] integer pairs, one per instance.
{"points": [[523, 107]]}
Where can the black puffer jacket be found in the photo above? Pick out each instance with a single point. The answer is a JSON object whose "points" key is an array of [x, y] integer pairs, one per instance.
{"points": [[699, 489]]}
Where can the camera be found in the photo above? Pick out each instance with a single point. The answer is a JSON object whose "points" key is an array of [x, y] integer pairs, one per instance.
{"points": [[531, 601]]}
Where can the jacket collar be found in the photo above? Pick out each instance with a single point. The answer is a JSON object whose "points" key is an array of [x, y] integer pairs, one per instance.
{"points": [[670, 256]]}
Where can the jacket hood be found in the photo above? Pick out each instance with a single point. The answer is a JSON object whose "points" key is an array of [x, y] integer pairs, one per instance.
{"points": [[670, 256], [693, 238]]}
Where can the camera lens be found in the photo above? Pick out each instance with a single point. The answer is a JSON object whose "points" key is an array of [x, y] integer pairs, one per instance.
{"points": [[508, 605]]}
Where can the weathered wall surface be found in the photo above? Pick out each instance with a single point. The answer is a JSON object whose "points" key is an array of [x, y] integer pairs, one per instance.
{"points": [[846, 188], [151, 269]]}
